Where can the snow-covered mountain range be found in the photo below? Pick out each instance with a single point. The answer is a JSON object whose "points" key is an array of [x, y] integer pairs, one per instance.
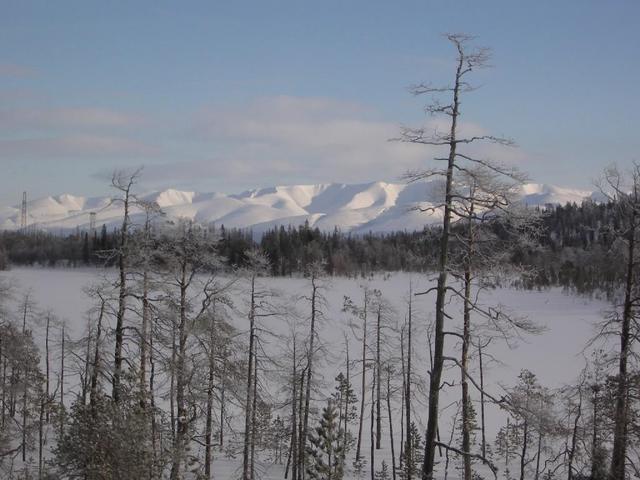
{"points": [[375, 207]]}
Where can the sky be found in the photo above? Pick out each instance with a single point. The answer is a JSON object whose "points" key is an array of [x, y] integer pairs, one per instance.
{"points": [[227, 96]]}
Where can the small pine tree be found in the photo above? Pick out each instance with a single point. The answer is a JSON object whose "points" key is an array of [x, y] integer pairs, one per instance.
{"points": [[358, 466], [346, 400], [383, 473], [325, 453], [413, 466]]}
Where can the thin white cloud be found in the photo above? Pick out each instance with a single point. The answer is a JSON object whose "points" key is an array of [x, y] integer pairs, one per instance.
{"points": [[291, 139], [83, 146], [67, 118]]}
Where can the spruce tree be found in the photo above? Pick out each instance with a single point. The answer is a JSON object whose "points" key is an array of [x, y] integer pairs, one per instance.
{"points": [[324, 449]]}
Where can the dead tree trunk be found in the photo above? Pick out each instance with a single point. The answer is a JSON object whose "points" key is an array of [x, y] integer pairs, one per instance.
{"points": [[246, 471], [372, 456], [466, 62], [621, 420], [210, 386], [62, 355], [441, 290], [182, 421], [301, 452], [25, 390], [347, 400], [144, 338], [525, 445], [223, 390], [378, 380], [47, 362], [124, 185], [254, 410], [391, 440], [482, 399], [293, 451], [363, 387], [310, 355], [95, 367], [594, 438], [466, 341], [409, 448]]}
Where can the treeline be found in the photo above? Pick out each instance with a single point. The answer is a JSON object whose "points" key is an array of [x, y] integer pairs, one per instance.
{"points": [[574, 249]]}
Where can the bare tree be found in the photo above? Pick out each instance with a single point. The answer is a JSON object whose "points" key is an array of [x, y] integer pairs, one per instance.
{"points": [[468, 60], [361, 313], [124, 184], [259, 306], [187, 253], [317, 302], [623, 190]]}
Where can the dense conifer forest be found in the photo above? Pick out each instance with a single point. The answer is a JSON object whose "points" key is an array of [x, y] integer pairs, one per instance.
{"points": [[574, 248]]}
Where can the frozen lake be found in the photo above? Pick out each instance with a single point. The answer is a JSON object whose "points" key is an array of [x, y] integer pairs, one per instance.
{"points": [[555, 356]]}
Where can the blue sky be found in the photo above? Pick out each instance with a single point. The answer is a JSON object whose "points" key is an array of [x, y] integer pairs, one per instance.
{"points": [[233, 95]]}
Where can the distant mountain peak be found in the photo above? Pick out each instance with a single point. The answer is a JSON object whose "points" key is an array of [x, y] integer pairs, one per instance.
{"points": [[374, 206]]}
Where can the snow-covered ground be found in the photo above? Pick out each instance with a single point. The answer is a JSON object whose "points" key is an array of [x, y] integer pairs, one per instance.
{"points": [[555, 356]]}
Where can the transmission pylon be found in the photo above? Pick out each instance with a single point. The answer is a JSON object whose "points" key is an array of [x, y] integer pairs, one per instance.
{"points": [[92, 222], [23, 212]]}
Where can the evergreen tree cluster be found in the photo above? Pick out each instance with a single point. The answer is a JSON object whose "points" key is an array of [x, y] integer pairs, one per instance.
{"points": [[576, 249]]}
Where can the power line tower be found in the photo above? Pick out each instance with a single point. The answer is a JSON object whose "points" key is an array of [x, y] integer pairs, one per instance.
{"points": [[23, 212], [92, 222]]}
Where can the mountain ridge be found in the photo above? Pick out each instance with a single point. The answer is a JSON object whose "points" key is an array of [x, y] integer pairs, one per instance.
{"points": [[374, 206]]}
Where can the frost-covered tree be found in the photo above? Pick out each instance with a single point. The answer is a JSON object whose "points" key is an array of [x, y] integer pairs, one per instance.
{"points": [[468, 60], [324, 450]]}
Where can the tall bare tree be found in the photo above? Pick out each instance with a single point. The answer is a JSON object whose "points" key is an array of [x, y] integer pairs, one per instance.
{"points": [[623, 190], [468, 60], [124, 184]]}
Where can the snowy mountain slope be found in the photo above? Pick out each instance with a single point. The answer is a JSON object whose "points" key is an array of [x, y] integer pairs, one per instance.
{"points": [[375, 207]]}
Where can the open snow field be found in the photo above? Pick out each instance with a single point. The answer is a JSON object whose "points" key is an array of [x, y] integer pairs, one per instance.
{"points": [[555, 356]]}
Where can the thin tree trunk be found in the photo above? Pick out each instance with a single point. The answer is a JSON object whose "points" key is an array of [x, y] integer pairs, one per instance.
{"points": [[47, 364], [62, 410], [24, 415], [122, 295], [310, 354], [523, 453], [293, 452], [621, 420], [347, 400], [223, 390], [4, 387], [301, 452], [594, 439], [403, 391], [209, 412], [144, 340], [87, 366], [254, 409], [391, 441], [441, 290], [172, 385], [182, 420], [43, 405], [466, 342], [363, 389], [372, 456], [409, 448], [538, 452], [482, 400], [95, 368], [378, 381], [152, 404], [246, 474]]}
